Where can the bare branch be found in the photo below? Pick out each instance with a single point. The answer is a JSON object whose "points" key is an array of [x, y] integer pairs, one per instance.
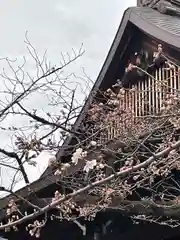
{"points": [[122, 173], [19, 161]]}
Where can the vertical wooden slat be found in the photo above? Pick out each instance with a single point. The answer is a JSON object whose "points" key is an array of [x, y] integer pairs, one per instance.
{"points": [[139, 98], [166, 83], [175, 79], [145, 97], [162, 85], [126, 100], [142, 97], [133, 101], [171, 81], [152, 96], [113, 130], [160, 88], [130, 100], [149, 95], [178, 77], [156, 96], [168, 80], [136, 101], [121, 100]]}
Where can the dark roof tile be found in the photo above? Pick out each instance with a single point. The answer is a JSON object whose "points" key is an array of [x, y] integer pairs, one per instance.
{"points": [[165, 22]]}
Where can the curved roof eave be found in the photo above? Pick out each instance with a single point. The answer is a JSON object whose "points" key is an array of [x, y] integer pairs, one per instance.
{"points": [[163, 27]]}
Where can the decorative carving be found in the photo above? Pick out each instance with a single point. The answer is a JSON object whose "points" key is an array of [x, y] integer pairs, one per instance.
{"points": [[171, 7]]}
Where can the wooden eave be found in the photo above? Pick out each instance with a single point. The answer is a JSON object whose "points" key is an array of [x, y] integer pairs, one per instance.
{"points": [[162, 27]]}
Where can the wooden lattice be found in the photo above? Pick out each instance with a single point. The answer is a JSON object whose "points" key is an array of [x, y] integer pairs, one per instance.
{"points": [[145, 98]]}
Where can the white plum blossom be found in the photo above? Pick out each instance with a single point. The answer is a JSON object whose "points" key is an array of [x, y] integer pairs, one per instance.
{"points": [[122, 91], [78, 154], [90, 165], [93, 143], [57, 172], [52, 161], [65, 166], [84, 154], [100, 166]]}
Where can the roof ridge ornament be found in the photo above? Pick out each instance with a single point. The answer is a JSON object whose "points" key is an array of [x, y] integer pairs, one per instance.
{"points": [[171, 7]]}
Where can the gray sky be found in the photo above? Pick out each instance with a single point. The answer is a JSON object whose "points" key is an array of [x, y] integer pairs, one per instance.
{"points": [[59, 26]]}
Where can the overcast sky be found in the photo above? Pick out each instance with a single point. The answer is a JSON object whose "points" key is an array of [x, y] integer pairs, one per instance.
{"points": [[59, 25]]}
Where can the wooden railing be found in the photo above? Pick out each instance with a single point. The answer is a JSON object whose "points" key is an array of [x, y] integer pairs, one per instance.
{"points": [[145, 98]]}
